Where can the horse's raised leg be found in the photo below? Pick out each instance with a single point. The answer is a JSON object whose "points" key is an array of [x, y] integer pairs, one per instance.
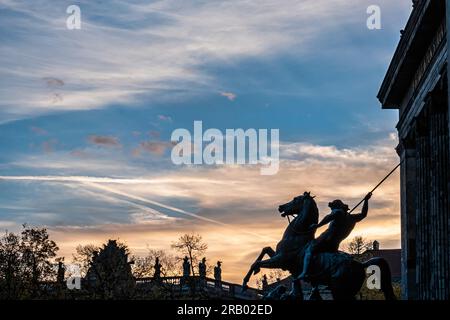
{"points": [[255, 266], [273, 263]]}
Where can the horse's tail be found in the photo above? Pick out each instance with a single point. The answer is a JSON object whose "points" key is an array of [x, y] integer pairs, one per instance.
{"points": [[386, 278]]}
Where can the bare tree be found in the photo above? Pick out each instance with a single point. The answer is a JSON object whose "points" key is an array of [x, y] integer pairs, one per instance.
{"points": [[168, 261], [358, 245], [144, 266], [141, 267], [191, 245], [83, 256]]}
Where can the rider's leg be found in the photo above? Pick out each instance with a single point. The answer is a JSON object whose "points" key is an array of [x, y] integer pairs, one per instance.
{"points": [[307, 260], [320, 244], [306, 263]]}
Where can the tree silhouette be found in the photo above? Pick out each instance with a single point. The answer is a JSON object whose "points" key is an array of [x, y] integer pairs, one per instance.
{"points": [[358, 245], [191, 245], [37, 249], [10, 266], [83, 256], [109, 275], [144, 266], [26, 260]]}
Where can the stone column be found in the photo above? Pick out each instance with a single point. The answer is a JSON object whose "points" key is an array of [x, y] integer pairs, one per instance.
{"points": [[407, 153], [422, 212], [447, 285], [440, 205], [447, 16]]}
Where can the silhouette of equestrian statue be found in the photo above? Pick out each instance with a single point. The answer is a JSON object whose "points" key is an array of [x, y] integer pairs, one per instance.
{"points": [[318, 261], [341, 224]]}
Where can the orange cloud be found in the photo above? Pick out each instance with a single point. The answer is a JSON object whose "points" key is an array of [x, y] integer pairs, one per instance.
{"points": [[106, 141], [230, 205]]}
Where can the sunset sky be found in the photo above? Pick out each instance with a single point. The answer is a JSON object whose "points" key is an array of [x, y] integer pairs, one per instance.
{"points": [[86, 118]]}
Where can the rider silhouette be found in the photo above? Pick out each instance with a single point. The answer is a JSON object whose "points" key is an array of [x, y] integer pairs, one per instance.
{"points": [[341, 225]]}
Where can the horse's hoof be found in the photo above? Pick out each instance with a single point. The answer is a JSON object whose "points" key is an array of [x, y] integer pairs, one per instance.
{"points": [[256, 268], [244, 287]]}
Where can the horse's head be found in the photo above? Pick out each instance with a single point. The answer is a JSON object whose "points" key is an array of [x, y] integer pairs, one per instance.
{"points": [[295, 206]]}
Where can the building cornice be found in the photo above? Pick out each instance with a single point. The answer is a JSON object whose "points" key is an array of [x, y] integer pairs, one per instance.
{"points": [[425, 18]]}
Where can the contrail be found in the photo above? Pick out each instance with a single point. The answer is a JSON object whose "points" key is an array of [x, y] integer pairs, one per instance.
{"points": [[94, 182], [155, 203], [160, 215], [76, 179], [187, 213], [96, 179]]}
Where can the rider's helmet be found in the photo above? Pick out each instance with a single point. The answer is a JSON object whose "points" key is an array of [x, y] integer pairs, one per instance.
{"points": [[338, 204]]}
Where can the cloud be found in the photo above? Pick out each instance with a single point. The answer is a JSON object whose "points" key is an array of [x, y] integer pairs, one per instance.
{"points": [[53, 82], [229, 95], [56, 98], [116, 191], [49, 145], [143, 52], [327, 171], [7, 224], [134, 200], [158, 49], [155, 147], [136, 152], [164, 118], [154, 134], [79, 153], [106, 141], [39, 131], [143, 214], [358, 156], [91, 161], [233, 201]]}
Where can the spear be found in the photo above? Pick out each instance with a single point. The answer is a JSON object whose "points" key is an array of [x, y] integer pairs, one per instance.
{"points": [[379, 184]]}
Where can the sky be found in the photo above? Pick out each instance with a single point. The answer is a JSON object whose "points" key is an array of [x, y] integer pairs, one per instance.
{"points": [[86, 118]]}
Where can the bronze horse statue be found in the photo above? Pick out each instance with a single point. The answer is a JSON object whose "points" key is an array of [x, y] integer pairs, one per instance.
{"points": [[343, 275]]}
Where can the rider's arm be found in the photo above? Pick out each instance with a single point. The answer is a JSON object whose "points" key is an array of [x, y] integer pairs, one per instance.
{"points": [[360, 216], [327, 219]]}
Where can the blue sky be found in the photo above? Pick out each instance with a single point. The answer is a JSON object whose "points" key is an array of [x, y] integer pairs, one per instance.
{"points": [[102, 102]]}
